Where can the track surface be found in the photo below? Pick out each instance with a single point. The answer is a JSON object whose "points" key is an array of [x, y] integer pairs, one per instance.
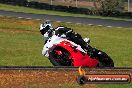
{"points": [[83, 20]]}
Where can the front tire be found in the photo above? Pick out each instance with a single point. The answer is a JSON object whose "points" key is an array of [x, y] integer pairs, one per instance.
{"points": [[60, 59]]}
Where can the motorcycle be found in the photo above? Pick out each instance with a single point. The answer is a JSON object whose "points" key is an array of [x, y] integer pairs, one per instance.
{"points": [[63, 52]]}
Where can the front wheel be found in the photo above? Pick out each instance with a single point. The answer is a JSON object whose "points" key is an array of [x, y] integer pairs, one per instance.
{"points": [[59, 56]]}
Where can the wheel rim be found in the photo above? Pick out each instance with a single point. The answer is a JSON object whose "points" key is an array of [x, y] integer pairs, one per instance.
{"points": [[61, 56]]}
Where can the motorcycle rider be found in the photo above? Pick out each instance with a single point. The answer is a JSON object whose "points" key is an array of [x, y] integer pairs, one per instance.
{"points": [[48, 31]]}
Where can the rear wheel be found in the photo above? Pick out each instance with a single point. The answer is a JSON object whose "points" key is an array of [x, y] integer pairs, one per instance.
{"points": [[103, 58], [59, 56], [107, 61]]}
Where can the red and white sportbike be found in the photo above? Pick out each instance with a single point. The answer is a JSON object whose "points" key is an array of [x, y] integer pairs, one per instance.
{"points": [[62, 52]]}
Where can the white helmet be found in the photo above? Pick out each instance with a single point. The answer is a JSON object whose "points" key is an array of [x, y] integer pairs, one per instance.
{"points": [[44, 27]]}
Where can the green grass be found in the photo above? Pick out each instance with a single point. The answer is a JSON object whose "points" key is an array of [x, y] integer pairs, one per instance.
{"points": [[36, 11], [21, 42], [21, 45], [21, 50]]}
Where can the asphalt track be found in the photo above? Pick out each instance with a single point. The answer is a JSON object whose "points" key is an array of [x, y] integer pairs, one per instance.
{"points": [[69, 19]]}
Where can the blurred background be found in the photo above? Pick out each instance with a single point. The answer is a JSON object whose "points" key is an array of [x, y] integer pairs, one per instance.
{"points": [[90, 4]]}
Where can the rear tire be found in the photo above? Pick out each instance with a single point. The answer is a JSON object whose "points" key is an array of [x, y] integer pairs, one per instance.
{"points": [[103, 58], [106, 60]]}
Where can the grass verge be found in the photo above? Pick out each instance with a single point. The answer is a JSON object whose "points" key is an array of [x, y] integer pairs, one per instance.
{"points": [[36, 11], [21, 42]]}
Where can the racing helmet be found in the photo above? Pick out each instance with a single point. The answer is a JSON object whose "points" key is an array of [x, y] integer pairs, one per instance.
{"points": [[44, 27]]}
